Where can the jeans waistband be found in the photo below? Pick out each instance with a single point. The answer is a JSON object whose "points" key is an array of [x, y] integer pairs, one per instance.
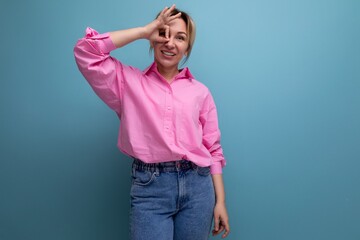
{"points": [[173, 166]]}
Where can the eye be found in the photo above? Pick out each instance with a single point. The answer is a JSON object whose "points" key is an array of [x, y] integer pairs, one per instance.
{"points": [[181, 38]]}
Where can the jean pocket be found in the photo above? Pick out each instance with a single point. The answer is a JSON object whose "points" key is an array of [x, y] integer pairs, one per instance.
{"points": [[143, 178], [203, 171]]}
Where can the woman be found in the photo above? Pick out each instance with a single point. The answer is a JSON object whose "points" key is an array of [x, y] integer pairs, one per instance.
{"points": [[168, 125]]}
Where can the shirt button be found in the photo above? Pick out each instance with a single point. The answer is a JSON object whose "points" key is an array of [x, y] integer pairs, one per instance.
{"points": [[168, 108]]}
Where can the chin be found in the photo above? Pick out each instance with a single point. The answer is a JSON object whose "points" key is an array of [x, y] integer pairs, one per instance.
{"points": [[167, 64]]}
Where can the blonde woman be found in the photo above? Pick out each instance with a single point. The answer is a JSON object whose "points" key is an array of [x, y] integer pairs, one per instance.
{"points": [[169, 127]]}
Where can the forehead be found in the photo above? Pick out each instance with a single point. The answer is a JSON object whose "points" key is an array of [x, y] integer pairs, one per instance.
{"points": [[178, 25]]}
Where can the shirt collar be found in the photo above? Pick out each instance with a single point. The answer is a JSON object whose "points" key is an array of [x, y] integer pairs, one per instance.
{"points": [[183, 74]]}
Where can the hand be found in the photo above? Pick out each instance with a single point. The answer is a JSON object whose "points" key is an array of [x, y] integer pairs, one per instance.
{"points": [[221, 220], [158, 30]]}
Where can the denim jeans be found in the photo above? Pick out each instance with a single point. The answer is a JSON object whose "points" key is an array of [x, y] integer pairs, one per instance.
{"points": [[172, 200]]}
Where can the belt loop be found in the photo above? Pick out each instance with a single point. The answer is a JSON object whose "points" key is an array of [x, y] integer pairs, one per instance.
{"points": [[194, 166], [178, 165], [133, 169], [157, 170]]}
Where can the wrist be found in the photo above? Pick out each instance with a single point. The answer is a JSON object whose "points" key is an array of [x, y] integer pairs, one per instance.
{"points": [[143, 33], [220, 201]]}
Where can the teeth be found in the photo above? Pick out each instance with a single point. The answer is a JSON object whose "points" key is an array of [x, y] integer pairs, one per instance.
{"points": [[168, 53]]}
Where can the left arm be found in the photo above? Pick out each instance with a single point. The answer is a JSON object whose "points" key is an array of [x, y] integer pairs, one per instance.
{"points": [[221, 219], [211, 140]]}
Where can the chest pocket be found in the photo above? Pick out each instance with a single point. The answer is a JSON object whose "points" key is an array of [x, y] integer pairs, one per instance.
{"points": [[191, 128]]}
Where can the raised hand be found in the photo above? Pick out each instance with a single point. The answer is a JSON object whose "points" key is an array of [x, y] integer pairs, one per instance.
{"points": [[158, 30]]}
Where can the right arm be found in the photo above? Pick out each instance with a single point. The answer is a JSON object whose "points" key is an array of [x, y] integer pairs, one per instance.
{"points": [[150, 31], [123, 37], [104, 73]]}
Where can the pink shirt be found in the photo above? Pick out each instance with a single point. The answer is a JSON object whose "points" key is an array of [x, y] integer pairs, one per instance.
{"points": [[159, 121]]}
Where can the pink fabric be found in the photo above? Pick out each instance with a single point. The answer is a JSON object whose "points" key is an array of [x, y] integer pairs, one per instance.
{"points": [[158, 121]]}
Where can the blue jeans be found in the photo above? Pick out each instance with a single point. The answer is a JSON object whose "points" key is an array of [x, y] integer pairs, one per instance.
{"points": [[172, 200]]}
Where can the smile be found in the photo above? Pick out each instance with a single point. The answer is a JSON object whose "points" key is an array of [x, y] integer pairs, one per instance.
{"points": [[168, 53]]}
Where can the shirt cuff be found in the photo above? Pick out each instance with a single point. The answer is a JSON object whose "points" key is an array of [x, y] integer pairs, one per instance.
{"points": [[107, 44], [216, 168]]}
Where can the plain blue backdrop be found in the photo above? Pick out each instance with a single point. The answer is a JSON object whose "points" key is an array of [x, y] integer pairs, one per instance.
{"points": [[286, 79]]}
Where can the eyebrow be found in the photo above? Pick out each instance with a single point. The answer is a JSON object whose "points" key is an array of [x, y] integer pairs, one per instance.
{"points": [[182, 33]]}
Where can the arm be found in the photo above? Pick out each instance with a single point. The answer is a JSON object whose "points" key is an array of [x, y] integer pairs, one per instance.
{"points": [[105, 74], [92, 56], [211, 140], [150, 31], [211, 134], [221, 219]]}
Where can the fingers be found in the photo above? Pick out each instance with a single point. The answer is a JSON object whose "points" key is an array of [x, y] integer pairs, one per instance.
{"points": [[160, 40], [218, 230], [227, 230], [163, 11], [165, 14], [162, 24], [166, 11], [169, 10], [174, 17], [214, 233], [219, 227], [216, 224], [167, 31]]}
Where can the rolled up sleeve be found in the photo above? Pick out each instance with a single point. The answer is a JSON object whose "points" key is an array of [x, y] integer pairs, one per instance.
{"points": [[92, 56]]}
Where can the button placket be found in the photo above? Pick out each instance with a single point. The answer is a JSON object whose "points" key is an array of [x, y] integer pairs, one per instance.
{"points": [[168, 117]]}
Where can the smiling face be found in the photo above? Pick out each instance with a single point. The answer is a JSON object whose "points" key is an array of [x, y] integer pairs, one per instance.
{"points": [[169, 54]]}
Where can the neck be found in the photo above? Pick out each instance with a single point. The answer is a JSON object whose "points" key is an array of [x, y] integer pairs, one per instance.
{"points": [[168, 73]]}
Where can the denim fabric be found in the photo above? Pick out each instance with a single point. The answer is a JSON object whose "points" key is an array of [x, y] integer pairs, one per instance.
{"points": [[172, 200]]}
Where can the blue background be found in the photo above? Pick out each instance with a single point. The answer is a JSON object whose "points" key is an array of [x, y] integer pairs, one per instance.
{"points": [[286, 79]]}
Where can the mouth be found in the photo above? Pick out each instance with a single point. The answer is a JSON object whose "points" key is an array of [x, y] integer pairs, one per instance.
{"points": [[168, 53]]}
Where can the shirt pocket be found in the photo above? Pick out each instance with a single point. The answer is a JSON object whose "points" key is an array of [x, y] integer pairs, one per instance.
{"points": [[190, 126]]}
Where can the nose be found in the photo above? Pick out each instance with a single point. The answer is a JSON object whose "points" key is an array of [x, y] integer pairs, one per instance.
{"points": [[170, 43]]}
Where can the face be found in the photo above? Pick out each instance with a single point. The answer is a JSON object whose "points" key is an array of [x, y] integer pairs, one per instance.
{"points": [[169, 54]]}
